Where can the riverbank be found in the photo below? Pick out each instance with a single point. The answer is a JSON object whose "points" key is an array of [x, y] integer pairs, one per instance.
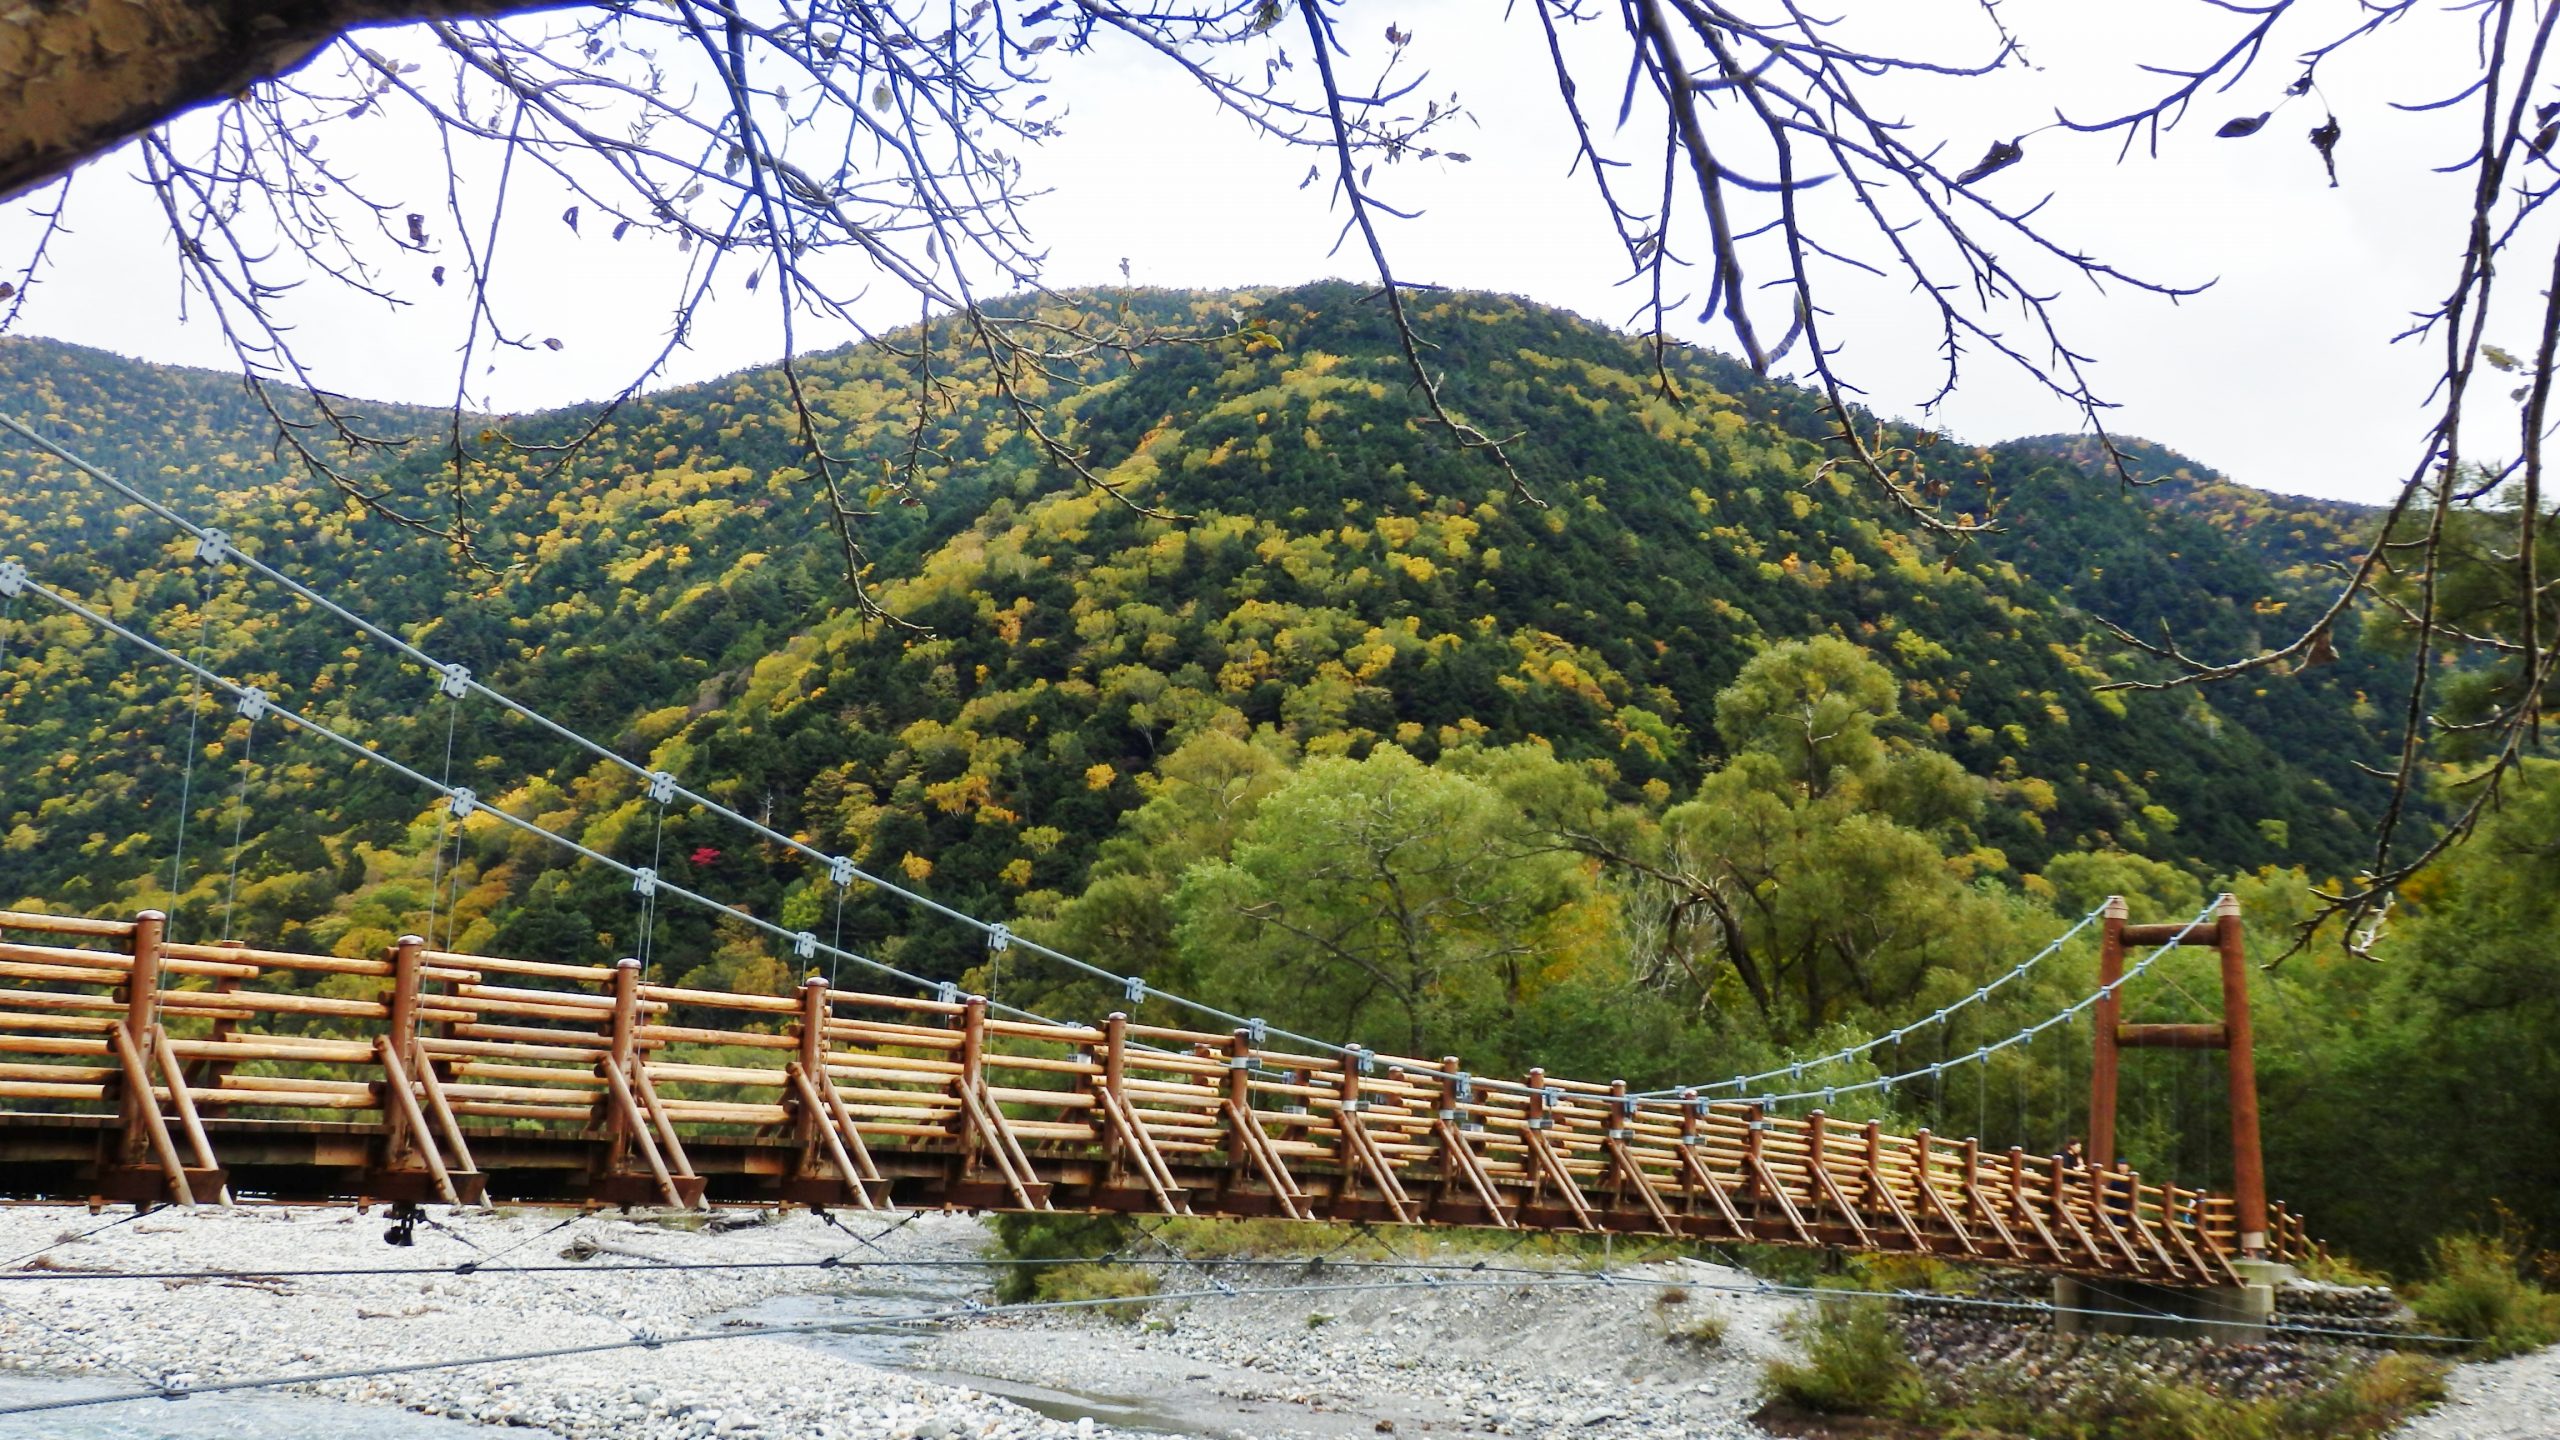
{"points": [[124, 1335], [1510, 1355]]}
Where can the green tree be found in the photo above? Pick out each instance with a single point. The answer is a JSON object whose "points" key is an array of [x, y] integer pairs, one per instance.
{"points": [[1812, 853], [1383, 893]]}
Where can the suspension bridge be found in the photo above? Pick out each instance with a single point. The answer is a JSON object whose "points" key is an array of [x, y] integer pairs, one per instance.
{"points": [[141, 1069]]}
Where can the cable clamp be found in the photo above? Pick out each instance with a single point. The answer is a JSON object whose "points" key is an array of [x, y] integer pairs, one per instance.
{"points": [[1553, 1095], [804, 945], [1465, 1086], [947, 993], [1368, 1058], [253, 704], [662, 786], [454, 680], [462, 802], [13, 579], [648, 1339], [2106, 992], [1133, 989], [840, 872], [644, 882], [214, 547], [1256, 1030], [999, 939]]}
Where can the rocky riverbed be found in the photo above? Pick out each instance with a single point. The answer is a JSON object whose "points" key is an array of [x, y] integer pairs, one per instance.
{"points": [[127, 1335], [1294, 1351], [1514, 1355]]}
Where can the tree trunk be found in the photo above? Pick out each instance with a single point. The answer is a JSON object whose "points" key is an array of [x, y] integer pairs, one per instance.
{"points": [[80, 77]]}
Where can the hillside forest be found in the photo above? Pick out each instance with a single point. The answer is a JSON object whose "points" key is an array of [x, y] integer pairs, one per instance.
{"points": [[1686, 762]]}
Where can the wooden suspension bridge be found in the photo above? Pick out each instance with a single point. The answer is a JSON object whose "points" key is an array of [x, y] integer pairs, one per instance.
{"points": [[135, 1069]]}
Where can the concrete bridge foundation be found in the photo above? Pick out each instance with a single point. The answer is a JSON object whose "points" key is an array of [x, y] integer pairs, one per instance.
{"points": [[2228, 1314]]}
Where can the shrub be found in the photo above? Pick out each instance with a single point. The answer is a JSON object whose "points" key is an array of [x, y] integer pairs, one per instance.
{"points": [[1854, 1362], [1105, 1283], [2479, 1292], [1051, 1237]]}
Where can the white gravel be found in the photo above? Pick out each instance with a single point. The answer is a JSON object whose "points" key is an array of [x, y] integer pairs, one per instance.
{"points": [[1598, 1363], [2512, 1399], [113, 1332], [1587, 1363]]}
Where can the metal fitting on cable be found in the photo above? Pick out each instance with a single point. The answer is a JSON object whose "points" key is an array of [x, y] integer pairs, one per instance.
{"points": [[454, 680], [947, 993], [253, 703], [662, 786], [644, 882], [462, 802], [13, 579], [999, 939], [840, 872], [1132, 988], [804, 945], [214, 547]]}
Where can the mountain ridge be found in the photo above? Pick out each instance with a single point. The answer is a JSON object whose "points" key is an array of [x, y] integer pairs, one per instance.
{"points": [[1336, 537]]}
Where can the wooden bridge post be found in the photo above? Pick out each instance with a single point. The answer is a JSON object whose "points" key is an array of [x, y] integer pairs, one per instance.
{"points": [[806, 1120], [398, 1040], [407, 956], [2106, 1016], [1112, 1097], [624, 1047], [1239, 1108], [141, 1012], [972, 1057], [2248, 1167]]}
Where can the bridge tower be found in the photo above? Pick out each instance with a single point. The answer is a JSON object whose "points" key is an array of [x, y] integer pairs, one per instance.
{"points": [[2224, 1313], [2233, 1037]]}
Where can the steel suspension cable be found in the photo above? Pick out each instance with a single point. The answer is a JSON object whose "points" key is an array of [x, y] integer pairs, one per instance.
{"points": [[1982, 1054], [466, 804], [1796, 1069], [1134, 987]]}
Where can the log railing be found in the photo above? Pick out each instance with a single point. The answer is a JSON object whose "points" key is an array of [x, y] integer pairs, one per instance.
{"points": [[140, 1070]]}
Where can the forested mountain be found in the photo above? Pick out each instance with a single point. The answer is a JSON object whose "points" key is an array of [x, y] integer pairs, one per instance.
{"points": [[1689, 758], [1317, 565]]}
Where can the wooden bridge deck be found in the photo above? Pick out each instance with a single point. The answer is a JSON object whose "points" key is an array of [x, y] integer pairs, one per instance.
{"points": [[133, 1069]]}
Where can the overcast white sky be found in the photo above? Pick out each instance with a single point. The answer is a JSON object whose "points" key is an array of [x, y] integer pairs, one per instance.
{"points": [[2280, 375]]}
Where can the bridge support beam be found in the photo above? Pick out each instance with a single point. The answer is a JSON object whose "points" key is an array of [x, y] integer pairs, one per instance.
{"points": [[2223, 1314], [2234, 1037]]}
